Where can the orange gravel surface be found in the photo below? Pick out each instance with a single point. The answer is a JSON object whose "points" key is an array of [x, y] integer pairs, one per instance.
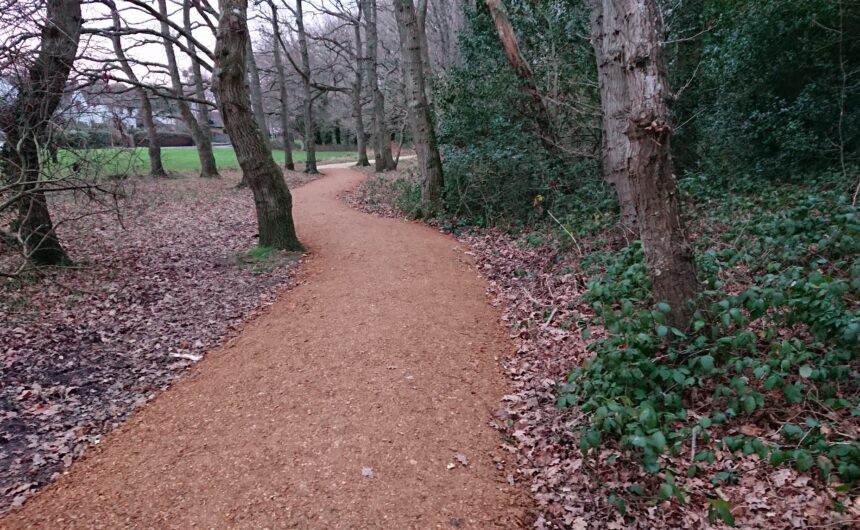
{"points": [[354, 402]]}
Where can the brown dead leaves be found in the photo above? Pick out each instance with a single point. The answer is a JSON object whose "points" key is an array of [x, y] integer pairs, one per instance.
{"points": [[82, 348]]}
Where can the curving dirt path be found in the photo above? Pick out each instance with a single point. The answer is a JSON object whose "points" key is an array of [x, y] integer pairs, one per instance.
{"points": [[382, 358]]}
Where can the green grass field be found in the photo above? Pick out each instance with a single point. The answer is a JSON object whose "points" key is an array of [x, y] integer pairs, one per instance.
{"points": [[106, 162]]}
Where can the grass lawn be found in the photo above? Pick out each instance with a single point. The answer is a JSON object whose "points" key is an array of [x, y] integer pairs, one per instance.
{"points": [[120, 161]]}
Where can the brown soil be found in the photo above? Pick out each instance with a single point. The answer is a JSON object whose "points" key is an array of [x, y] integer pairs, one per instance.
{"points": [[384, 357]]}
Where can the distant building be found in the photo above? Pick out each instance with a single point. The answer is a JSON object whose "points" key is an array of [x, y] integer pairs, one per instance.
{"points": [[116, 108]]}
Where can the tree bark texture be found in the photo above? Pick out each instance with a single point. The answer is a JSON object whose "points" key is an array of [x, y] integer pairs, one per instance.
{"points": [[608, 43], [282, 89], [423, 134], [272, 197], [668, 253], [156, 168], [537, 106], [27, 127], [310, 131], [383, 161], [208, 167]]}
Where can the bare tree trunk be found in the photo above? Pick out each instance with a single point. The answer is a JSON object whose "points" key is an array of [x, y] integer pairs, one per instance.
{"points": [[282, 87], [26, 129], [272, 198], [381, 146], [208, 168], [197, 73], [608, 44], [310, 141], [256, 93], [668, 253], [537, 106], [357, 111], [423, 134], [156, 168]]}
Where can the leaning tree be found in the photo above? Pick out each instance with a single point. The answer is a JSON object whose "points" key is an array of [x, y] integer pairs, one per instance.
{"points": [[272, 198]]}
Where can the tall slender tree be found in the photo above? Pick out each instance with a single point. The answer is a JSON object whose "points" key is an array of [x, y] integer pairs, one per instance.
{"points": [[277, 49], [421, 28], [357, 85], [26, 128], [156, 168], [384, 161], [272, 197], [208, 167], [256, 88], [197, 74], [310, 123]]}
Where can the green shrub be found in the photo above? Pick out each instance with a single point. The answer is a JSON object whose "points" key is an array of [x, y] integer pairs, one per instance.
{"points": [[778, 328], [765, 84], [496, 168]]}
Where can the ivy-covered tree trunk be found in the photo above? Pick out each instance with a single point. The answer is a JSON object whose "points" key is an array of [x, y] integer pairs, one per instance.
{"points": [[208, 167], [27, 124], [272, 198], [384, 161], [282, 88], [668, 253], [156, 168], [423, 134], [608, 45], [357, 111], [310, 131]]}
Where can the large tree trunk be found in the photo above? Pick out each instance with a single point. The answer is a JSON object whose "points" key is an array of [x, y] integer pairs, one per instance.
{"points": [[282, 88], [357, 111], [26, 129], [272, 198], [310, 136], [156, 168], [608, 43], [668, 253], [537, 106], [423, 134], [208, 167], [383, 161]]}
